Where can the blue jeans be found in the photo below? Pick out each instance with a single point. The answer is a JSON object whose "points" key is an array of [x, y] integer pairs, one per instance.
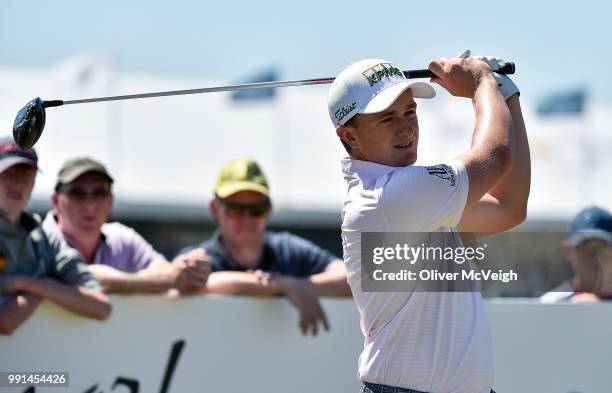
{"points": [[367, 387]]}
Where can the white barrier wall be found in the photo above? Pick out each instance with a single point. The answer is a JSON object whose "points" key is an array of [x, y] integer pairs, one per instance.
{"points": [[232, 344]]}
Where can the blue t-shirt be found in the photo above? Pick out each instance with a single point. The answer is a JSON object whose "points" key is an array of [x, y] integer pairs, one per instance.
{"points": [[283, 253]]}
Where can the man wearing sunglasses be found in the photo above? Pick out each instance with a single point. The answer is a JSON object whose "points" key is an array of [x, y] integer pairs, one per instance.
{"points": [[33, 267], [249, 260], [588, 247], [121, 259]]}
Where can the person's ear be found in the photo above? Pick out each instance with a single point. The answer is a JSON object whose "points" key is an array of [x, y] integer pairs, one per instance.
{"points": [[347, 134], [569, 252], [213, 206], [54, 197]]}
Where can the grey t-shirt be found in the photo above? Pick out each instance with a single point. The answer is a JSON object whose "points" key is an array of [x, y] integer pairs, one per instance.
{"points": [[26, 250]]}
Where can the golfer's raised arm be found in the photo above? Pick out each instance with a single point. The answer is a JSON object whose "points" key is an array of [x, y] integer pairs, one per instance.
{"points": [[505, 205], [490, 156]]}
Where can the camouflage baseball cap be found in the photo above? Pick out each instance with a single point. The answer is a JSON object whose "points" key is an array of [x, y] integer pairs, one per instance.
{"points": [[242, 174], [77, 167], [11, 154]]}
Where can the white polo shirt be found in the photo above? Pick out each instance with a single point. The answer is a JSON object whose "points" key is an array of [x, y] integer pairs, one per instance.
{"points": [[437, 342]]}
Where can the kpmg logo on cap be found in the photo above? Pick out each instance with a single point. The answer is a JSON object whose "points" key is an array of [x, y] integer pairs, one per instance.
{"points": [[379, 71], [344, 111]]}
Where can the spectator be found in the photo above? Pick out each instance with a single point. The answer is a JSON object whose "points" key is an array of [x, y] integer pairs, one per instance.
{"points": [[249, 260], [32, 267], [588, 247], [119, 258]]}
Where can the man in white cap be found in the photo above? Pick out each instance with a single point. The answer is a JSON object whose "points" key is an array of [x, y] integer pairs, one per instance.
{"points": [[32, 267], [416, 341]]}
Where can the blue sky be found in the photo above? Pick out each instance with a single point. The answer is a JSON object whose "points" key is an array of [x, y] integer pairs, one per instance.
{"points": [[554, 46]]}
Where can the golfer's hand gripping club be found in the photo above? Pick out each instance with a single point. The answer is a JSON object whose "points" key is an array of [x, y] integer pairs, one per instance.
{"points": [[497, 64]]}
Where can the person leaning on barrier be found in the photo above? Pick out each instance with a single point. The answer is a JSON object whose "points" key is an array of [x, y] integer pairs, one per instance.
{"points": [[249, 260], [121, 259], [588, 247], [33, 267]]}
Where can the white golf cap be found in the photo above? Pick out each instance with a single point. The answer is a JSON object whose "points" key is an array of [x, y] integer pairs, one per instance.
{"points": [[370, 86]]}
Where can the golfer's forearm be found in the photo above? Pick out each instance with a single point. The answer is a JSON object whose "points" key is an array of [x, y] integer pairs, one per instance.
{"points": [[79, 300], [490, 156], [240, 283], [513, 189], [493, 130], [15, 310], [151, 280]]}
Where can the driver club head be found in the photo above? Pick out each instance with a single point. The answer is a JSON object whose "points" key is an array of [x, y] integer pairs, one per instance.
{"points": [[29, 123]]}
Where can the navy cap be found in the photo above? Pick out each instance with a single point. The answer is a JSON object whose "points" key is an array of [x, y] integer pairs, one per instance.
{"points": [[590, 223]]}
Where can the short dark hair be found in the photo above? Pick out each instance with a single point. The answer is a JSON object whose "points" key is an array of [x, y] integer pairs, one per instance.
{"points": [[352, 122]]}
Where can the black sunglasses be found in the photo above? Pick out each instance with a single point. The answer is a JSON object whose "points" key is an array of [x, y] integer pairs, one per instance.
{"points": [[253, 209]]}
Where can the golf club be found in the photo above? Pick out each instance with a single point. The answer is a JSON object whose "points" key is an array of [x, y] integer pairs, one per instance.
{"points": [[30, 120]]}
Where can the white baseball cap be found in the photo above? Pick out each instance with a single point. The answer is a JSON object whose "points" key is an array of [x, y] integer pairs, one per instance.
{"points": [[370, 86]]}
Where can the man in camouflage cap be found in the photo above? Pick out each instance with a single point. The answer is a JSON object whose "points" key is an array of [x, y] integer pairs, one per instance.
{"points": [[33, 267]]}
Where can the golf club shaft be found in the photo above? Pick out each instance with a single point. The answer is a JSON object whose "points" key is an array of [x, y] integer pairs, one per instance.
{"points": [[507, 68], [246, 86]]}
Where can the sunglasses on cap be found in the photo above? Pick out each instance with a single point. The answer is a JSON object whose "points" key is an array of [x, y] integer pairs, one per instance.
{"points": [[79, 194], [253, 209]]}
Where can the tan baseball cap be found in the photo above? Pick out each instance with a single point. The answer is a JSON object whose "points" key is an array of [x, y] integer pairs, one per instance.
{"points": [[77, 167], [242, 174]]}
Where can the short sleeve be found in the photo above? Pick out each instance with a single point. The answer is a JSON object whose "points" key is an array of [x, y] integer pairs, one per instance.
{"points": [[425, 198], [68, 266], [142, 252], [305, 258]]}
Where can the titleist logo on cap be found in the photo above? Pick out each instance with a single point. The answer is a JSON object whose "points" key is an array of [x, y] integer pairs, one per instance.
{"points": [[344, 111]]}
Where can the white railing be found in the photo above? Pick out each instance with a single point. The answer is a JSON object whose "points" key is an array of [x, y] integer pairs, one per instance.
{"points": [[239, 344]]}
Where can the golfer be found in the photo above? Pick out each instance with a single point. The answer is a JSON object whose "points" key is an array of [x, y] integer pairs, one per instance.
{"points": [[435, 342]]}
